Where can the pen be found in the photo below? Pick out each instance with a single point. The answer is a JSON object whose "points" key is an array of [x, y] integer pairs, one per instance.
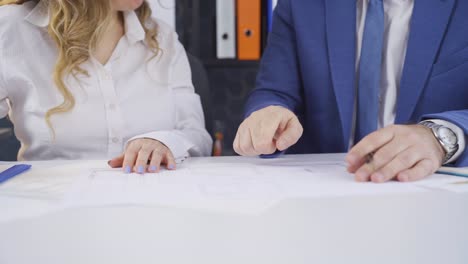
{"points": [[13, 171], [460, 183], [452, 173]]}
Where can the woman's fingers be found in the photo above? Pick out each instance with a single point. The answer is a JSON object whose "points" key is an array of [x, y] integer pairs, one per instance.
{"points": [[129, 160], [170, 161], [156, 159], [117, 161], [144, 155], [141, 162]]}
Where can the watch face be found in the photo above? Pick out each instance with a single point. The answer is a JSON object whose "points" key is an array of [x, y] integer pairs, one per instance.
{"points": [[447, 136]]}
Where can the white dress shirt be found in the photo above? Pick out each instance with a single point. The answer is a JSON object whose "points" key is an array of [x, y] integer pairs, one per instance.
{"points": [[129, 97], [398, 15]]}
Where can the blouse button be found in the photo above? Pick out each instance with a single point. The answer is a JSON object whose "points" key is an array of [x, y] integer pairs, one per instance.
{"points": [[115, 140], [107, 76]]}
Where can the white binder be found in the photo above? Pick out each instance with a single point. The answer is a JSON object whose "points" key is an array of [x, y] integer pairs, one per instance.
{"points": [[225, 29]]}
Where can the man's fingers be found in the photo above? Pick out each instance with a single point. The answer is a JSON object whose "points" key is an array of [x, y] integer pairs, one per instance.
{"points": [[407, 152], [257, 138], [265, 127], [236, 144], [374, 141], [403, 161], [117, 161], [245, 143], [263, 135], [291, 134], [382, 157], [419, 171], [263, 139]]}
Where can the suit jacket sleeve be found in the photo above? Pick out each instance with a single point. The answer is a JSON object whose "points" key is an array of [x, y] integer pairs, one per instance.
{"points": [[279, 81]]}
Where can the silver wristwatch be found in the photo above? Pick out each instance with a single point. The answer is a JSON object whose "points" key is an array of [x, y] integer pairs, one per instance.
{"points": [[446, 137]]}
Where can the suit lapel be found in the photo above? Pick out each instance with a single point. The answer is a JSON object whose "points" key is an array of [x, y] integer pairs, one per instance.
{"points": [[341, 39], [428, 26]]}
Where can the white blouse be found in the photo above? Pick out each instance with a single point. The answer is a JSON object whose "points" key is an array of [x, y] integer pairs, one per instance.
{"points": [[129, 97]]}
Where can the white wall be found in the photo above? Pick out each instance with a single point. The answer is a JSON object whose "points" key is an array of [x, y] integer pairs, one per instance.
{"points": [[164, 10]]}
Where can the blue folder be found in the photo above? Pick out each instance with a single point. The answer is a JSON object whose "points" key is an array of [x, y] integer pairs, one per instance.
{"points": [[13, 171]]}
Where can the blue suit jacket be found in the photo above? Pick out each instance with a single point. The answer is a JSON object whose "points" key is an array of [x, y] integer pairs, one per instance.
{"points": [[309, 67]]}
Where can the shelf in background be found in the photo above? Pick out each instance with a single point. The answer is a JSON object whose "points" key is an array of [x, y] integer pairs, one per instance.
{"points": [[230, 63]]}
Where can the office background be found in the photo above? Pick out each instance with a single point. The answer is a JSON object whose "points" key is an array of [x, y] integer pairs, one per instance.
{"points": [[230, 80]]}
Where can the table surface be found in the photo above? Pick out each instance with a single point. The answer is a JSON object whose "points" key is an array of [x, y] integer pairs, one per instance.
{"points": [[427, 227]]}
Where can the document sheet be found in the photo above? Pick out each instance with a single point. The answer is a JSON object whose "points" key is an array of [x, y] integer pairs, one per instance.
{"points": [[227, 187]]}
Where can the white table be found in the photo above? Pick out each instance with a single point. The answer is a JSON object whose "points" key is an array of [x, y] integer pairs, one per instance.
{"points": [[429, 227]]}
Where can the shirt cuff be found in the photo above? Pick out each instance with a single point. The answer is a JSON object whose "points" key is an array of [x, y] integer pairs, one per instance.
{"points": [[177, 145], [460, 136]]}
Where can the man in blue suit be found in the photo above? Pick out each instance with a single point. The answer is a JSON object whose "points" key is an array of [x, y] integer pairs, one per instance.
{"points": [[384, 80]]}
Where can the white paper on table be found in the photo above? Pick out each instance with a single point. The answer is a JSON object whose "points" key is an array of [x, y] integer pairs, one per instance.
{"points": [[225, 187], [40, 190], [44, 180], [181, 188], [445, 182]]}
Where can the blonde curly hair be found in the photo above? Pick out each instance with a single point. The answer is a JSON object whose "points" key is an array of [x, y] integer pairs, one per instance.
{"points": [[76, 27]]}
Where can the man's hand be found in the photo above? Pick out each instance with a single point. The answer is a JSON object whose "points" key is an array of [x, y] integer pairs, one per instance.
{"points": [[267, 130], [402, 152]]}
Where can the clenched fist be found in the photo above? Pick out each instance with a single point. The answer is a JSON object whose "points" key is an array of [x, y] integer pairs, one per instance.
{"points": [[267, 130]]}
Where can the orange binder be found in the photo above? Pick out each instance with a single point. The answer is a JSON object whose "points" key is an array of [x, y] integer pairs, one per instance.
{"points": [[248, 29]]}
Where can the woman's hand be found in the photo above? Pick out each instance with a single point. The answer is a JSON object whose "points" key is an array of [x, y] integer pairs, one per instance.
{"points": [[144, 155]]}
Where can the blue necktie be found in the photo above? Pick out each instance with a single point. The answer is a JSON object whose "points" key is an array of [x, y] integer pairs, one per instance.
{"points": [[370, 71]]}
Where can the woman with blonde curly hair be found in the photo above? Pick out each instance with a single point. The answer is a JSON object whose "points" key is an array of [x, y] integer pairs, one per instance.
{"points": [[98, 79]]}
